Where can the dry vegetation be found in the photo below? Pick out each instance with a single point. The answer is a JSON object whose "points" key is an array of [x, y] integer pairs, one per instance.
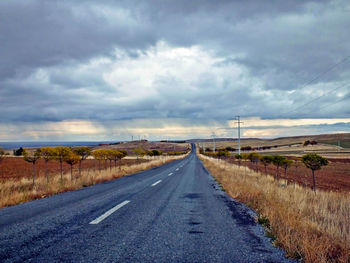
{"points": [[17, 187], [312, 227], [335, 176]]}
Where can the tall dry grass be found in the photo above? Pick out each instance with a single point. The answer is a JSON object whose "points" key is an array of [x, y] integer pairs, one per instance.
{"points": [[312, 227], [15, 191]]}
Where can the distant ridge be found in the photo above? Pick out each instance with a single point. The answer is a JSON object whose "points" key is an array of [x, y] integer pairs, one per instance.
{"points": [[319, 137]]}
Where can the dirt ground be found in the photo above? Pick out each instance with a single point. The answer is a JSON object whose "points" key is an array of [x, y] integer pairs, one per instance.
{"points": [[16, 167]]}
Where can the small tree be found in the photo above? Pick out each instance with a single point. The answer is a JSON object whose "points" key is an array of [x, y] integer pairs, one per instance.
{"points": [[245, 158], [110, 156], [71, 159], [123, 155], [278, 161], [156, 152], [254, 158], [47, 153], [139, 152], [2, 154], [60, 153], [286, 164], [238, 157], [115, 155], [84, 152], [314, 162], [32, 157], [100, 155], [223, 153], [105, 153], [266, 160]]}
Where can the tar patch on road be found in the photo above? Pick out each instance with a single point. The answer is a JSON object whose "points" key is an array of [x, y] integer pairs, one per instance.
{"points": [[193, 196]]}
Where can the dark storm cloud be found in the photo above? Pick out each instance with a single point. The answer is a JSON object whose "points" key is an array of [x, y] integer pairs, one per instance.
{"points": [[45, 33], [49, 50]]}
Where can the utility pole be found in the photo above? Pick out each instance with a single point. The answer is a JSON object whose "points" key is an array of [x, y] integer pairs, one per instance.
{"points": [[213, 142], [239, 133]]}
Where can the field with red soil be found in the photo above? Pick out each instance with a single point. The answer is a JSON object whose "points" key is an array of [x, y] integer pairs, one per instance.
{"points": [[335, 176], [16, 167]]}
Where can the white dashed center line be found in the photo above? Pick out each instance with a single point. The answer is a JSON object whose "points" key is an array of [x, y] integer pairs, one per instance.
{"points": [[156, 183], [170, 174], [177, 169], [108, 213]]}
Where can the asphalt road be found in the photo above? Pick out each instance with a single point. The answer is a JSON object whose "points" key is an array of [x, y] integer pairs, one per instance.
{"points": [[173, 213]]}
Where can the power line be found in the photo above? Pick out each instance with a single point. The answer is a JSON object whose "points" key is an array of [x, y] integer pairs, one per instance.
{"points": [[318, 77], [331, 104], [325, 72], [239, 133], [313, 100]]}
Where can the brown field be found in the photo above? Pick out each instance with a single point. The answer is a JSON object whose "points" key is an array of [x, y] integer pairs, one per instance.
{"points": [[16, 177], [334, 177], [310, 227], [16, 167]]}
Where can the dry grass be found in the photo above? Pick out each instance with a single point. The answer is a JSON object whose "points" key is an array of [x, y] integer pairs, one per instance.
{"points": [[15, 191], [313, 227]]}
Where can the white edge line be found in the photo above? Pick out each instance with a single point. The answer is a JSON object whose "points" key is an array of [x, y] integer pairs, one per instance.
{"points": [[156, 183], [108, 213]]}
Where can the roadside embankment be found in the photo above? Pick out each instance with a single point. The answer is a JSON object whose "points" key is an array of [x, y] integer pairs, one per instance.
{"points": [[312, 227], [16, 191]]}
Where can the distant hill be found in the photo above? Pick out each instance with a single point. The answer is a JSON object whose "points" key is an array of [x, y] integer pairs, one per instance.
{"points": [[326, 138]]}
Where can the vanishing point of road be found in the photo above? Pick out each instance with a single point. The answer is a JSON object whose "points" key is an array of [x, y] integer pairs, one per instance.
{"points": [[173, 213]]}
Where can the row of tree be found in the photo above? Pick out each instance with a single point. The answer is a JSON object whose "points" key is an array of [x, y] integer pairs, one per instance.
{"points": [[70, 156], [139, 152], [312, 161]]}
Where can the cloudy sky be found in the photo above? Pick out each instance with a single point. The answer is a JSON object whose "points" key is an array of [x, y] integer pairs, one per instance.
{"points": [[107, 70]]}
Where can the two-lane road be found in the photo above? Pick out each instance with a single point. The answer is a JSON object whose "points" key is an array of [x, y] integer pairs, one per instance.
{"points": [[173, 213]]}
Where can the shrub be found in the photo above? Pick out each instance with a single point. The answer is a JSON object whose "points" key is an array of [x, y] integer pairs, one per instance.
{"points": [[18, 152], [223, 153], [230, 149], [246, 148]]}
